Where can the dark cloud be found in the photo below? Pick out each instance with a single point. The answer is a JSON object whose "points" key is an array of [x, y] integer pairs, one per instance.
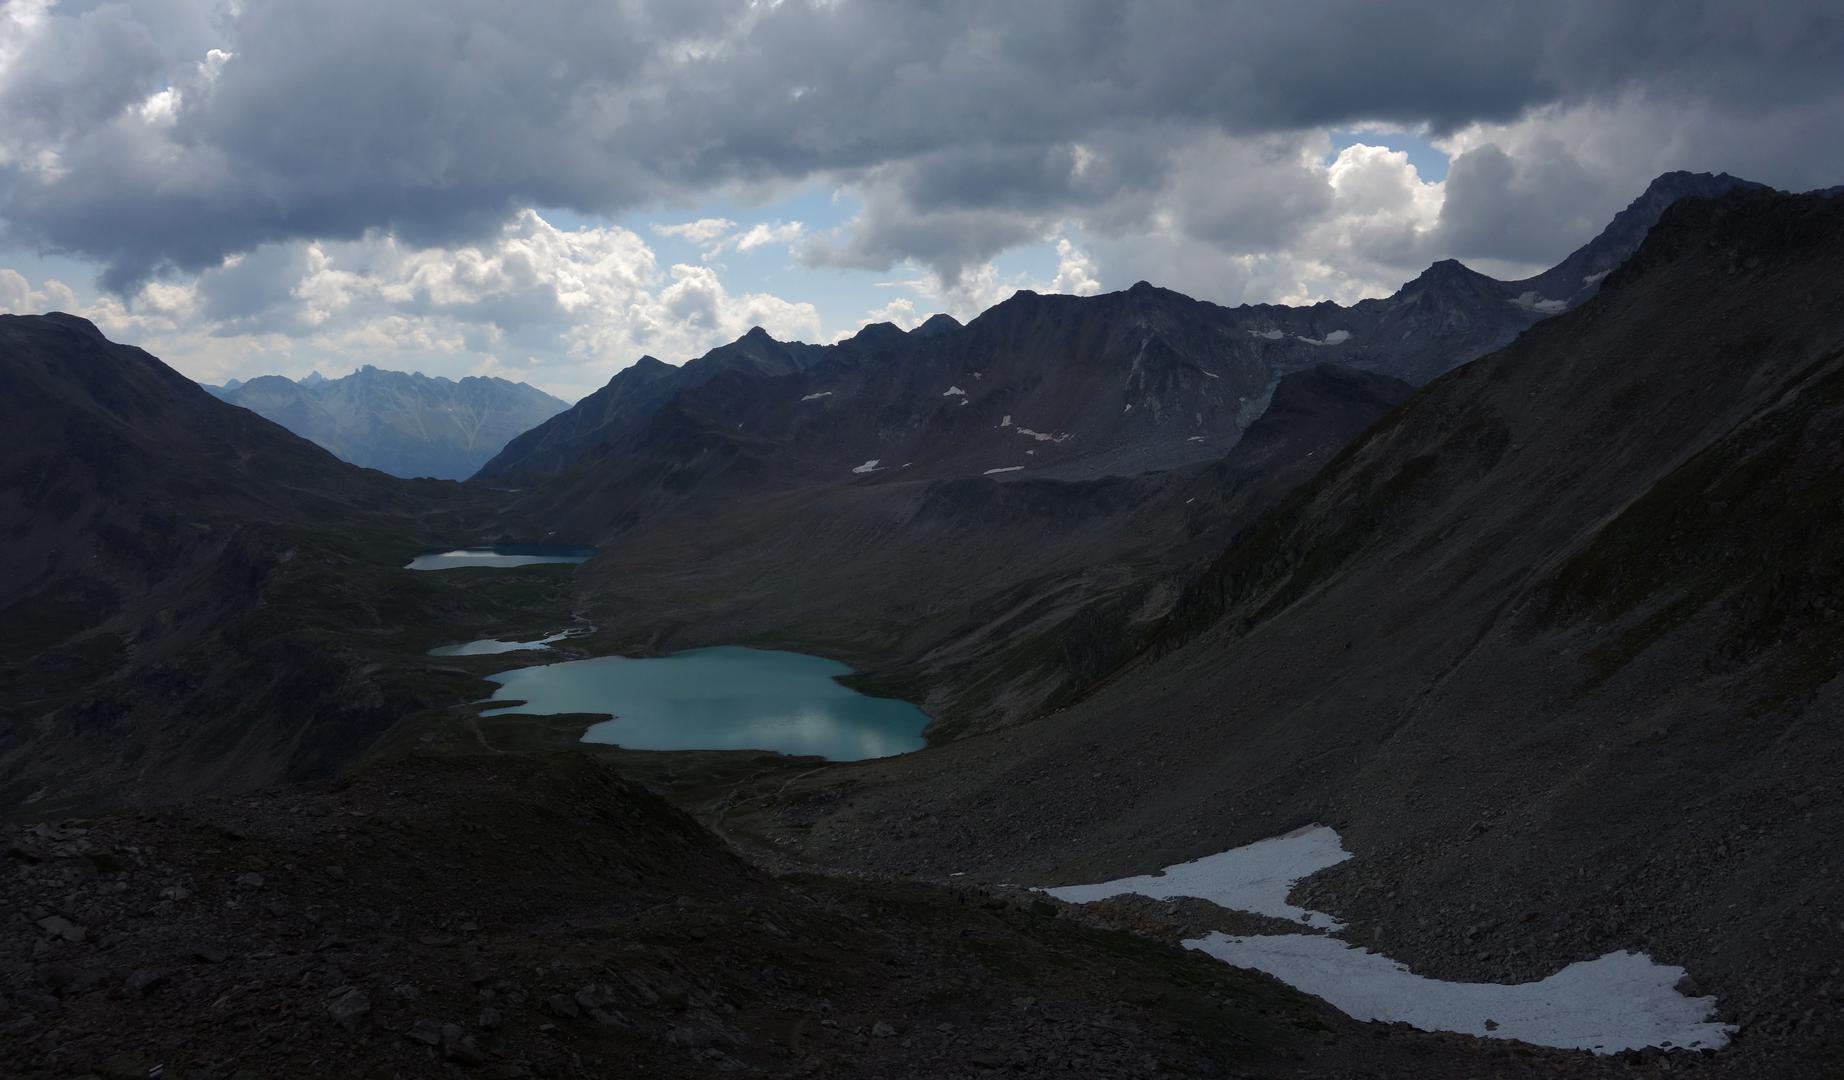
{"points": [[963, 118], [1520, 208]]}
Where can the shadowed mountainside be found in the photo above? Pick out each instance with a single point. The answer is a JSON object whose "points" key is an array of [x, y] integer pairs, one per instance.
{"points": [[188, 586], [986, 600], [1555, 646]]}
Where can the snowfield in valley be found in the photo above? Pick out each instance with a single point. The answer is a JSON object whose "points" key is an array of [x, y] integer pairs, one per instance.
{"points": [[1621, 1001], [1256, 877]]}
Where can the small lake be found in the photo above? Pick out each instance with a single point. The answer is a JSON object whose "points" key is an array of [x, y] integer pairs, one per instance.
{"points": [[722, 698], [500, 555], [491, 646]]}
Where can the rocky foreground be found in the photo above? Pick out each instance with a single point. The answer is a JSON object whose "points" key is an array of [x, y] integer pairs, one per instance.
{"points": [[511, 916]]}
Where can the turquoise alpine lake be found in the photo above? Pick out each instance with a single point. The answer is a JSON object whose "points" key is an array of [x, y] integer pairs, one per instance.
{"points": [[501, 555], [722, 698]]}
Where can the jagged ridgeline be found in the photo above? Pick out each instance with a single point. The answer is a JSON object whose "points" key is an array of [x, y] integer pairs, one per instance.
{"points": [[404, 424]]}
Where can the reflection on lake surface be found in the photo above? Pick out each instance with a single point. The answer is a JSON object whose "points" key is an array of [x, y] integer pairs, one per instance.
{"points": [[723, 698], [501, 555]]}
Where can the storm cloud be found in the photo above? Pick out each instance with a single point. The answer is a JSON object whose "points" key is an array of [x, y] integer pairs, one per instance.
{"points": [[151, 135], [548, 189]]}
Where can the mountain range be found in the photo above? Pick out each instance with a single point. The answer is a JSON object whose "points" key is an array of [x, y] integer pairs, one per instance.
{"points": [[1527, 588], [405, 424], [1060, 386]]}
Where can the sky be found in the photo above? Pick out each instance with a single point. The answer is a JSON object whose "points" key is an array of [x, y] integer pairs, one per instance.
{"points": [[547, 191]]}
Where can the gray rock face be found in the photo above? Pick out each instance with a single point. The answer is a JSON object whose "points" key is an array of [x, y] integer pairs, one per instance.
{"points": [[404, 424]]}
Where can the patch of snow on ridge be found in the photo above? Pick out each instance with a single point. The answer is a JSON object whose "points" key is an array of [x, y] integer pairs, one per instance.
{"points": [[1042, 436], [868, 467], [1336, 337], [1255, 877], [1531, 302], [1622, 1001], [952, 391], [1268, 335], [1007, 422], [816, 397], [1592, 278], [1008, 468]]}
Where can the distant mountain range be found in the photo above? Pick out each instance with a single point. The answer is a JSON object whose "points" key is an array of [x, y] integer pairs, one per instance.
{"points": [[404, 424], [1058, 386]]}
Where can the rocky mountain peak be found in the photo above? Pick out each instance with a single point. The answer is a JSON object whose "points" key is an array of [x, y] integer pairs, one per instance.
{"points": [[1449, 273], [879, 333], [937, 324]]}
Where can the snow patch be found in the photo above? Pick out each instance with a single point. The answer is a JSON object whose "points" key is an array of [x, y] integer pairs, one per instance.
{"points": [[1008, 468], [1007, 422], [1043, 436], [1210, 374], [816, 397], [1594, 279], [868, 467], [1255, 877], [1536, 304], [1336, 337], [1195, 438], [1622, 1001], [1267, 335], [1128, 409], [953, 391]]}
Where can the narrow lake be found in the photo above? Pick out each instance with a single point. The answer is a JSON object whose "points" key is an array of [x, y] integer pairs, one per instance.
{"points": [[722, 698], [501, 555], [491, 646]]}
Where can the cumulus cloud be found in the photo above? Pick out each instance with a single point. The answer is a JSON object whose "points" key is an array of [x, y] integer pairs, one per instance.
{"points": [[563, 308], [764, 234], [263, 183], [18, 297], [171, 133], [714, 236], [708, 233], [1075, 273]]}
